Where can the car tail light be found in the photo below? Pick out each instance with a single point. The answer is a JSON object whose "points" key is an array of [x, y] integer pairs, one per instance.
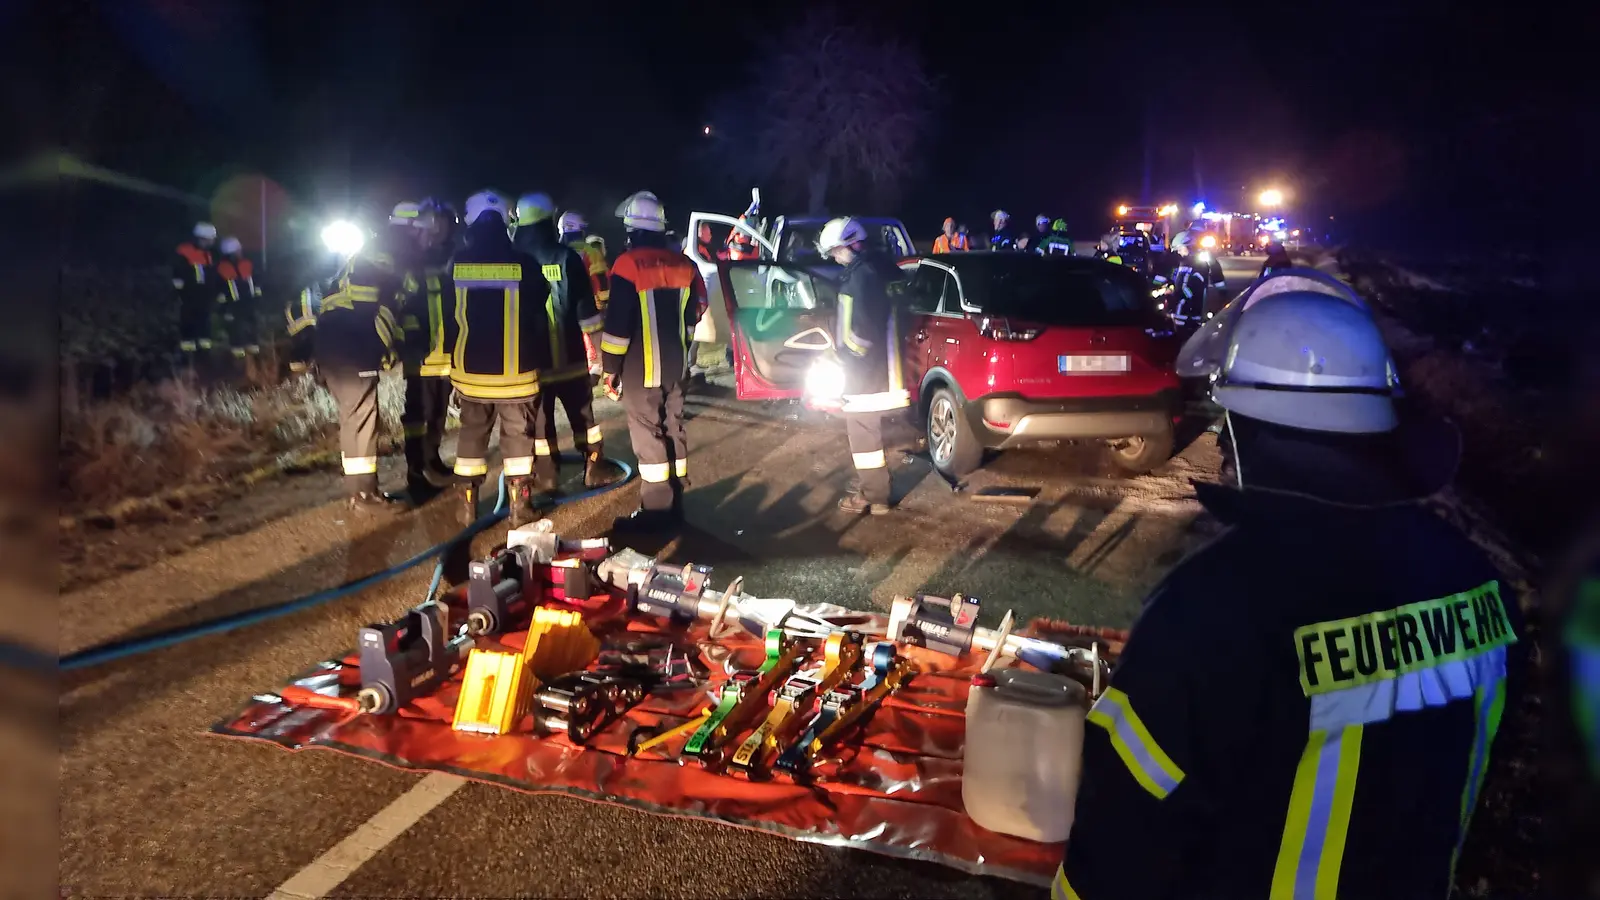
{"points": [[998, 329]]}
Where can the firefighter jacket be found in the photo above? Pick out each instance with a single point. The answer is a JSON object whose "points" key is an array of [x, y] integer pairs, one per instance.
{"points": [[570, 312], [868, 335], [944, 243], [1056, 243], [427, 311], [199, 290], [1339, 751], [238, 275], [1002, 240], [503, 334], [657, 298], [599, 272], [348, 321]]}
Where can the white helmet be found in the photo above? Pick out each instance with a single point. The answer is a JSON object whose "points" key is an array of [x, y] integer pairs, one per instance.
{"points": [[1309, 360], [487, 202], [840, 233], [534, 207], [642, 211], [999, 216], [1205, 350], [1041, 221], [205, 231], [406, 213], [571, 222], [230, 245]]}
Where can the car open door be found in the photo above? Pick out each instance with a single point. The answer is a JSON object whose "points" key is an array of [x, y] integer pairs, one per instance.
{"points": [[713, 329], [783, 319]]}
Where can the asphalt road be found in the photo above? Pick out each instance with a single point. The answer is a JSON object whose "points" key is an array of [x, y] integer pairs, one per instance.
{"points": [[151, 805]]}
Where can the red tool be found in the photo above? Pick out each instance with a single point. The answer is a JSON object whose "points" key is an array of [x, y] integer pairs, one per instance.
{"points": [[295, 695]]}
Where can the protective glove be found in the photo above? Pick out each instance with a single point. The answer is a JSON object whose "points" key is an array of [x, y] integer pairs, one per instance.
{"points": [[612, 385]]}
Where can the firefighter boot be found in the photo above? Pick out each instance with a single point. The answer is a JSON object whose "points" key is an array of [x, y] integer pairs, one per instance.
{"points": [[469, 496], [597, 470], [546, 478], [364, 494], [420, 482], [520, 502]]}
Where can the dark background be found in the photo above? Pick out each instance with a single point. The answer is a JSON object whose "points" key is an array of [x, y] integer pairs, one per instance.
{"points": [[1435, 126]]}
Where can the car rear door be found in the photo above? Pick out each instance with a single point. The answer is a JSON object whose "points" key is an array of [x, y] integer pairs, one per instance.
{"points": [[715, 329], [782, 318]]}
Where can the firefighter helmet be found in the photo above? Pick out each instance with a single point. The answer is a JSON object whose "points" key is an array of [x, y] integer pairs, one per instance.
{"points": [[642, 212], [406, 213], [487, 202], [534, 207], [999, 217], [205, 231], [230, 245], [571, 222], [840, 232]]}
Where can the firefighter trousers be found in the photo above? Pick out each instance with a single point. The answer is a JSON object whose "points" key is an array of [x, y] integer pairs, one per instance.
{"points": [[427, 405], [655, 425], [356, 396], [576, 396], [516, 418], [865, 432]]}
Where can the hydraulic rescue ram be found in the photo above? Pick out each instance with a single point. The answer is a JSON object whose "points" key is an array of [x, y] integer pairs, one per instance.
{"points": [[841, 654], [741, 700], [842, 708], [407, 658]]}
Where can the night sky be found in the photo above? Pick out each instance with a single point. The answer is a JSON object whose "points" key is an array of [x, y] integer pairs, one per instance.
{"points": [[1393, 122]]}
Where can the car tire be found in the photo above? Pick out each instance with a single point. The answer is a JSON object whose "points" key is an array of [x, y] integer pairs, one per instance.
{"points": [[1142, 455], [952, 445]]}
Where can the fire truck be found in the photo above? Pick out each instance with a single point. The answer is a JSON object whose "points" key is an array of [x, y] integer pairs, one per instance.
{"points": [[1153, 221]]}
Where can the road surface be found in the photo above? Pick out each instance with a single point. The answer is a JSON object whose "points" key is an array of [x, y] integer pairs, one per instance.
{"points": [[151, 805]]}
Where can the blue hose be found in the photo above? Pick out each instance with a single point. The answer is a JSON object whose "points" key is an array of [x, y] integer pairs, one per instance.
{"points": [[122, 649]]}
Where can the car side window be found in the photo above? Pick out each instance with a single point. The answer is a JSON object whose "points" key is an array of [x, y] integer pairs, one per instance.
{"points": [[927, 288]]}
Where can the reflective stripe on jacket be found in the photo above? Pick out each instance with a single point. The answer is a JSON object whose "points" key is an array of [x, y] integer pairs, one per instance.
{"points": [[646, 340]]}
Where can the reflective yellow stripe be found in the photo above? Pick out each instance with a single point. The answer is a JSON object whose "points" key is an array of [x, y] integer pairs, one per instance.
{"points": [[488, 272], [1060, 888], [592, 324], [1488, 702], [551, 274], [681, 325], [847, 308], [458, 355], [1314, 831], [555, 327], [517, 466], [360, 465], [655, 473], [1146, 761], [186, 346], [647, 328], [468, 467], [610, 343], [680, 468], [541, 447], [204, 343], [416, 430], [873, 460], [510, 348], [594, 435]]}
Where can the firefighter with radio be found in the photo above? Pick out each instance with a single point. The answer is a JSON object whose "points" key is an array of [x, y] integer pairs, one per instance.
{"points": [[200, 293], [1349, 753], [658, 297], [428, 321], [572, 227], [238, 275], [356, 336], [502, 349], [868, 335], [571, 315]]}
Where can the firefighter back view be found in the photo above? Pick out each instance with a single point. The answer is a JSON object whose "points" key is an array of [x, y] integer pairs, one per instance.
{"points": [[574, 234], [502, 346], [657, 296], [428, 320], [238, 275], [570, 315], [1057, 242], [867, 334], [200, 291]]}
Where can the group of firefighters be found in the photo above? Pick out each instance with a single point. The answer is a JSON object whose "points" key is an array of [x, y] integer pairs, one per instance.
{"points": [[217, 299]]}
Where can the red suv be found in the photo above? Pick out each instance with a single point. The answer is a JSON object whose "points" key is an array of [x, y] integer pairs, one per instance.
{"points": [[1000, 350]]}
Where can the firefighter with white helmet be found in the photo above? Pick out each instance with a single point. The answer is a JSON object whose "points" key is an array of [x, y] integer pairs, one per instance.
{"points": [[867, 335], [422, 250], [501, 352], [658, 296], [238, 275], [200, 293], [1348, 755], [1000, 236], [573, 229]]}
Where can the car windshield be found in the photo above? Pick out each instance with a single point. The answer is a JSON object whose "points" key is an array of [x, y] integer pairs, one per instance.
{"points": [[799, 242], [1056, 291]]}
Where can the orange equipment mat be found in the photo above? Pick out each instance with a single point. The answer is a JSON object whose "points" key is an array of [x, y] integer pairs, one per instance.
{"points": [[894, 787]]}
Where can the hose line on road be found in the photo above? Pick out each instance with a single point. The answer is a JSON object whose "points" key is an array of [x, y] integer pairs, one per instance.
{"points": [[122, 649]]}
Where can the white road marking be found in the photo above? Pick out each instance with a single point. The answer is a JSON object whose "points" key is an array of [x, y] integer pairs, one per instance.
{"points": [[330, 870]]}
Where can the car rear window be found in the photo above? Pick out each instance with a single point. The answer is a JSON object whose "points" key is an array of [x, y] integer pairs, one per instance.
{"points": [[1057, 291]]}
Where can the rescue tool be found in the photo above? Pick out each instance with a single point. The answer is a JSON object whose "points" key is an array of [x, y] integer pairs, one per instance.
{"points": [[841, 654], [741, 700], [840, 709], [407, 658]]}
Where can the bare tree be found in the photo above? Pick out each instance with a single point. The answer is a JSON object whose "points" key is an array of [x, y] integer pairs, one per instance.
{"points": [[840, 109]]}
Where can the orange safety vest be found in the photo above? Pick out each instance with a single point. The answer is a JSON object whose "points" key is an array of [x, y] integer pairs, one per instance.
{"points": [[945, 243], [234, 272]]}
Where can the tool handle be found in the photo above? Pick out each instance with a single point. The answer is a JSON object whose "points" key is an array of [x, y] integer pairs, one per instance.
{"points": [[295, 695]]}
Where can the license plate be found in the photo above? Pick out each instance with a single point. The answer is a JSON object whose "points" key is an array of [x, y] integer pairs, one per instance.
{"points": [[1093, 365]]}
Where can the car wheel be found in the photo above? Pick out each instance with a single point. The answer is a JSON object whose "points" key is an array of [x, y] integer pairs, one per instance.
{"points": [[1144, 454], [952, 446]]}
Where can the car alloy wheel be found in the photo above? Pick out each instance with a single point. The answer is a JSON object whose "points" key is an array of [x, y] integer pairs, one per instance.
{"points": [[942, 430]]}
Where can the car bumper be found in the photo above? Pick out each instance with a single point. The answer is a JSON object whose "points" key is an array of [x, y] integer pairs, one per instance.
{"points": [[1005, 422]]}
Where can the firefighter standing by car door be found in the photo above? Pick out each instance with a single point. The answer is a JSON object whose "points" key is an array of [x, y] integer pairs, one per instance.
{"points": [[1347, 755], [238, 276], [867, 335], [200, 292], [570, 315], [658, 296], [427, 319], [357, 335], [1193, 276], [572, 227], [502, 347]]}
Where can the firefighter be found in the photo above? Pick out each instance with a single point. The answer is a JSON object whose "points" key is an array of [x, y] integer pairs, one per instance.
{"points": [[238, 277], [1041, 230], [740, 244], [660, 298], [200, 292], [1277, 260], [1057, 242], [1348, 754], [570, 314], [356, 337], [503, 346], [951, 240], [593, 250], [867, 332], [1000, 236], [428, 322], [1193, 276]]}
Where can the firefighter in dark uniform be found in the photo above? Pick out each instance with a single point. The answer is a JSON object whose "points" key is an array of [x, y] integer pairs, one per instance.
{"points": [[503, 347], [573, 230], [1195, 275], [356, 337], [1000, 236], [238, 275], [657, 296], [200, 293], [428, 320], [868, 339], [1347, 754], [571, 315]]}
